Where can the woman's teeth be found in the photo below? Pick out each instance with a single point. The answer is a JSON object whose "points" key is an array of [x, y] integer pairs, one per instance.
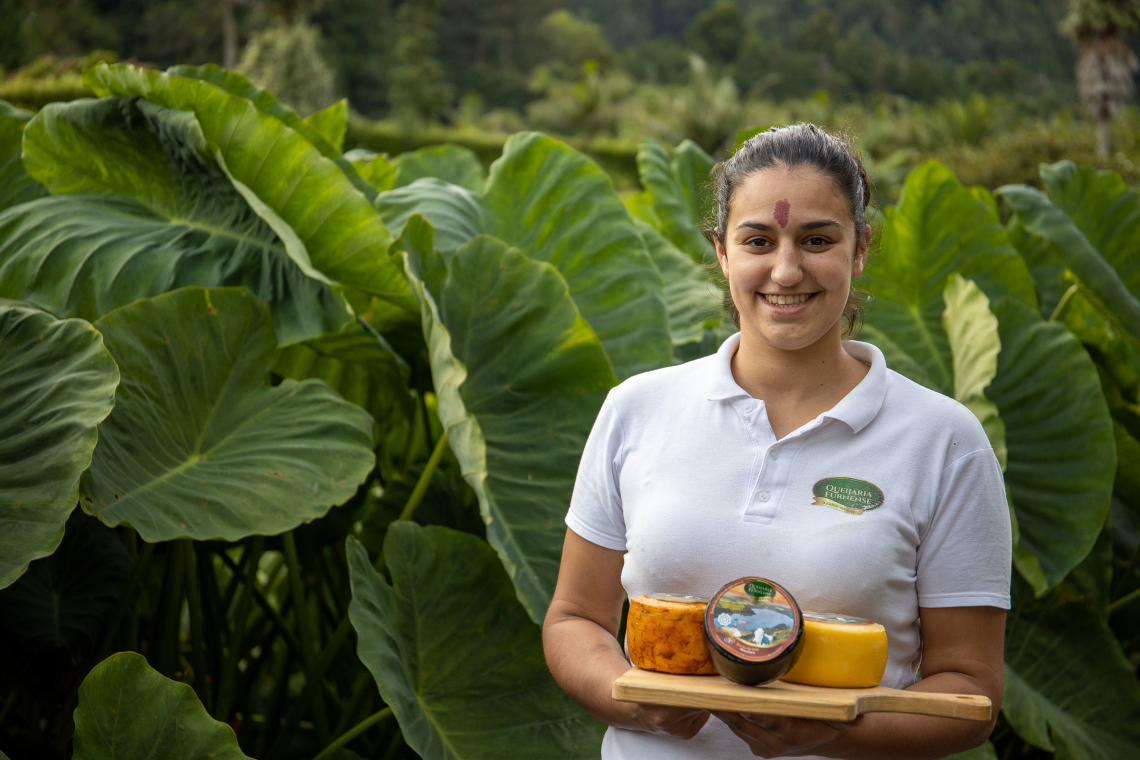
{"points": [[789, 299]]}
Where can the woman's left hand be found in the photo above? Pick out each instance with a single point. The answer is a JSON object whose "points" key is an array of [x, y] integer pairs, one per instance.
{"points": [[777, 736]]}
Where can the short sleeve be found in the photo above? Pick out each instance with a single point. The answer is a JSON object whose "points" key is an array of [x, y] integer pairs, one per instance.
{"points": [[595, 507], [964, 559]]}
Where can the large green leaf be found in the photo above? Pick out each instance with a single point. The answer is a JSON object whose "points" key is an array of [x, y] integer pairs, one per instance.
{"points": [[677, 187], [450, 163], [520, 377], [1068, 688], [198, 446], [154, 212], [62, 600], [454, 654], [557, 206], [57, 383], [318, 134], [358, 364], [690, 295], [938, 228], [344, 237], [984, 752], [1058, 433], [331, 122], [972, 331], [1092, 219], [15, 184], [127, 711]]}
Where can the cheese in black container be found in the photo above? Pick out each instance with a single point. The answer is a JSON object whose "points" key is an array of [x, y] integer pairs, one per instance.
{"points": [[755, 631]]}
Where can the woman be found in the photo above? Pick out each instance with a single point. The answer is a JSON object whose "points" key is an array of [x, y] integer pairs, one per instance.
{"points": [[698, 474]]}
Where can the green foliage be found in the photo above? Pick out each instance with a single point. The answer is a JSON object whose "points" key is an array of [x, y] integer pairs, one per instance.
{"points": [[195, 430], [555, 205], [447, 675], [127, 711], [449, 377], [58, 384], [287, 61]]}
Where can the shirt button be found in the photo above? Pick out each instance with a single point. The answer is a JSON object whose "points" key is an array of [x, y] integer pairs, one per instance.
{"points": [[774, 454], [747, 408], [763, 496]]}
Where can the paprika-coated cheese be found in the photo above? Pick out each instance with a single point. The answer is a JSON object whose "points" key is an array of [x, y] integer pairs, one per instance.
{"points": [[668, 635]]}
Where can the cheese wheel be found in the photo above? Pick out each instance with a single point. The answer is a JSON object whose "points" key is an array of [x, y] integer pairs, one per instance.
{"points": [[666, 632], [840, 651]]}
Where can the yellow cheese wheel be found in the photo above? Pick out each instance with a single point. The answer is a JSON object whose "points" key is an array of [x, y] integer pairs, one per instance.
{"points": [[840, 651], [666, 632]]}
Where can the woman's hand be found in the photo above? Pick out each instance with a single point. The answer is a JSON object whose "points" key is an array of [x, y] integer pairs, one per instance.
{"points": [[682, 722], [777, 736]]}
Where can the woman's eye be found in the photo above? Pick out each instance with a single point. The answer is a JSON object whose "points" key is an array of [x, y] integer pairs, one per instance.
{"points": [[816, 241]]}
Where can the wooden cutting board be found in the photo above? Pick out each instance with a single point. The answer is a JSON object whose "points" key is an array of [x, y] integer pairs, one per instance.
{"points": [[790, 699]]}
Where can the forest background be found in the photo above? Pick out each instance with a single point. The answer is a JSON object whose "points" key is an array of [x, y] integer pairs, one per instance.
{"points": [[985, 87]]}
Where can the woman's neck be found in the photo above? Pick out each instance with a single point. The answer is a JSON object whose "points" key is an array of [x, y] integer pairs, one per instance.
{"points": [[796, 386]]}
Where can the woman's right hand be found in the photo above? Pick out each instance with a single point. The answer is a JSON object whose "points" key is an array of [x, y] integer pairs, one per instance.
{"points": [[682, 722]]}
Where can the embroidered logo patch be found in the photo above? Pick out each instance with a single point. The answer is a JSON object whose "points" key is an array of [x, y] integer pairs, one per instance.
{"points": [[849, 495]]}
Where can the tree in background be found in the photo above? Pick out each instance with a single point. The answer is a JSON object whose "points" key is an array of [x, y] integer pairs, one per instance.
{"points": [[419, 92], [286, 59], [715, 34], [1107, 65]]}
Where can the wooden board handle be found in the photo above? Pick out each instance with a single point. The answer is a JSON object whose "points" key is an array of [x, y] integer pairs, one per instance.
{"points": [[791, 699]]}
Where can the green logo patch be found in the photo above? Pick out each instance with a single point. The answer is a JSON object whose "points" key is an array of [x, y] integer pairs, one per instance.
{"points": [[759, 590], [849, 495]]}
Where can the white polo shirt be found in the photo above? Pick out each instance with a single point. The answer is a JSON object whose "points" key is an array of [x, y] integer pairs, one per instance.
{"points": [[891, 501]]}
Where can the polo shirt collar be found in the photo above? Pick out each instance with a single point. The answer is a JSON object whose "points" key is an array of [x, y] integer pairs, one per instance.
{"points": [[856, 409]]}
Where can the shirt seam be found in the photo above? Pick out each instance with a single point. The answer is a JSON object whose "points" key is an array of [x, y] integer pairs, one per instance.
{"points": [[967, 454]]}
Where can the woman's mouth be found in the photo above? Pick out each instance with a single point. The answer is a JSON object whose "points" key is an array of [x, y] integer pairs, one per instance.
{"points": [[787, 300]]}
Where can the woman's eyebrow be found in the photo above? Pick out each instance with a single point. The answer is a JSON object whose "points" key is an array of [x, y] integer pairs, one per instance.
{"points": [[805, 226]]}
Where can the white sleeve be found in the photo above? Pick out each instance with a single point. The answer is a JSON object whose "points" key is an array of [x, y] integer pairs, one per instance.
{"points": [[595, 507], [964, 559]]}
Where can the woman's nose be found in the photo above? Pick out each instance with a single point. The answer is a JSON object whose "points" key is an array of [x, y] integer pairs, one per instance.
{"points": [[786, 269]]}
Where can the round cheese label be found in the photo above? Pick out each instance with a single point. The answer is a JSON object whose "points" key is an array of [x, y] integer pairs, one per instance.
{"points": [[682, 598], [753, 619]]}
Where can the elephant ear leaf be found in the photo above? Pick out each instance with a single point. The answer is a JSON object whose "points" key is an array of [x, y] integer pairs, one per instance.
{"points": [[972, 332], [1058, 434], [146, 208], [331, 123], [58, 383], [318, 196], [504, 376], [434, 640], [15, 184], [1068, 687], [1092, 220], [63, 600], [676, 189], [197, 446], [127, 711], [450, 163]]}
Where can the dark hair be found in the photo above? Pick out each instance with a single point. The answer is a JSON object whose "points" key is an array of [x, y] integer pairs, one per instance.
{"points": [[797, 145]]}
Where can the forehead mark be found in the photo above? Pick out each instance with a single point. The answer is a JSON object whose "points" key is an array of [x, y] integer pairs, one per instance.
{"points": [[781, 211]]}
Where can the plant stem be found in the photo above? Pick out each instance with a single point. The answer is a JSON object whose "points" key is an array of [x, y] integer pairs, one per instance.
{"points": [[166, 651], [197, 643], [359, 695], [353, 732], [305, 633], [1064, 302], [1114, 606], [130, 591], [425, 479], [228, 680]]}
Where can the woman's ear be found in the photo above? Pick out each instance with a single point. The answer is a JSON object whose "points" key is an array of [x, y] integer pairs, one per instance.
{"points": [[861, 251], [721, 254]]}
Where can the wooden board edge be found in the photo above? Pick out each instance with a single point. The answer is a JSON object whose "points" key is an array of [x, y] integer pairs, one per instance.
{"points": [[746, 703], [960, 706]]}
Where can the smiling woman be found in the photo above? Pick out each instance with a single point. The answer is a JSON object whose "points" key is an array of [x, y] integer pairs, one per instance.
{"points": [[795, 455]]}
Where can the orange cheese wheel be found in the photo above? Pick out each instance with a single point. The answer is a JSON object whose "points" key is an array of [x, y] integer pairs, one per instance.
{"points": [[668, 635], [840, 651]]}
